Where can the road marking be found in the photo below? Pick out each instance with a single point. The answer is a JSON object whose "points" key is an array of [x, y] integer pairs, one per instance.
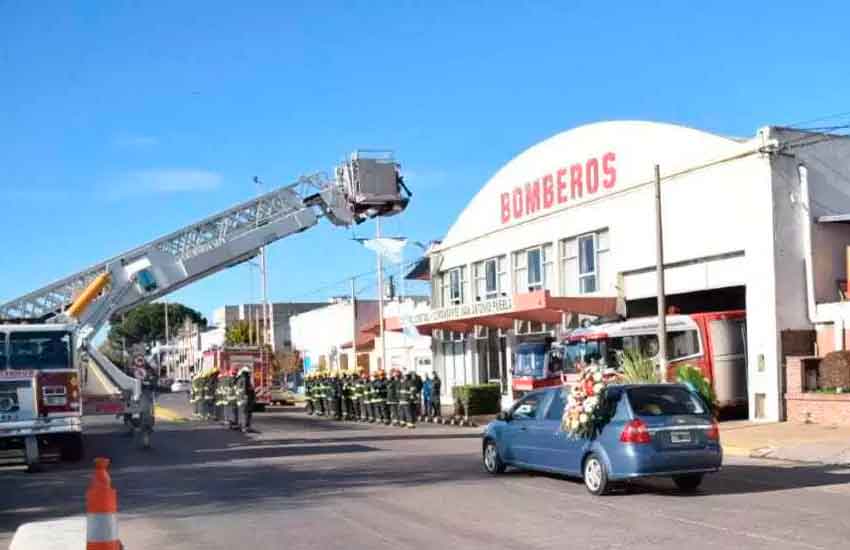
{"points": [[686, 521], [167, 414]]}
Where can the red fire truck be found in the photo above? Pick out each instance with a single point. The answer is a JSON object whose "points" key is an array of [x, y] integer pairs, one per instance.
{"points": [[233, 359], [715, 342]]}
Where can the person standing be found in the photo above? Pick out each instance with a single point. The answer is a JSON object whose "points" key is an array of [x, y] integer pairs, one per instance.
{"points": [[245, 398], [393, 388], [436, 389], [413, 394], [426, 396], [308, 397], [417, 411]]}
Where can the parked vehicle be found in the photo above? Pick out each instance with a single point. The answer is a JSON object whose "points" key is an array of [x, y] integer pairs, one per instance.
{"points": [[714, 342], [656, 430], [281, 396], [538, 365], [234, 358], [181, 385]]}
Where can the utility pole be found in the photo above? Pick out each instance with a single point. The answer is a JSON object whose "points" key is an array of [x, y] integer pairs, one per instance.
{"points": [[354, 317], [659, 274], [381, 297]]}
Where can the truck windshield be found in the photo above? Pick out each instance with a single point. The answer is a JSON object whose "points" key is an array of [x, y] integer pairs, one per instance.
{"points": [[530, 361], [581, 353], [40, 350]]}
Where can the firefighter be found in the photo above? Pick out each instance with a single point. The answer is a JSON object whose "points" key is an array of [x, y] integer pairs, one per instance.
{"points": [[231, 404], [364, 396], [370, 398], [356, 396], [245, 398], [318, 393], [336, 395], [412, 396], [436, 387], [403, 402], [210, 389], [195, 395], [348, 394], [381, 398], [417, 402], [308, 394], [393, 388]]}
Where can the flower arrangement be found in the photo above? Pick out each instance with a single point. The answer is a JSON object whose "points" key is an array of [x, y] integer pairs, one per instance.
{"points": [[583, 415]]}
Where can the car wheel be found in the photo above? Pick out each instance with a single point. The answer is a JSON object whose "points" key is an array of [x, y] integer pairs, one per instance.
{"points": [[492, 461], [688, 483], [595, 475]]}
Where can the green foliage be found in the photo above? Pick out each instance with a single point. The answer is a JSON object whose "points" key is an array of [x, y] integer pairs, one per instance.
{"points": [[638, 368], [115, 355], [473, 399], [693, 378], [240, 333], [145, 324]]}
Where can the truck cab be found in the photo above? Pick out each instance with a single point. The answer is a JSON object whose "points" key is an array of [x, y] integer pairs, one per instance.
{"points": [[40, 393]]}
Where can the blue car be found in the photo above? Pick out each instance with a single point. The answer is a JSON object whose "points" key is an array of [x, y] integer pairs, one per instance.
{"points": [[655, 430]]}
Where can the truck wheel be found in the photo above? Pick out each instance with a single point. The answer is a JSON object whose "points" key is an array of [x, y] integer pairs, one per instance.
{"points": [[71, 448]]}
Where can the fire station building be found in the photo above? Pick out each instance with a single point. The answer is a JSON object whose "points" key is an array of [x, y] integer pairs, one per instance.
{"points": [[567, 230]]}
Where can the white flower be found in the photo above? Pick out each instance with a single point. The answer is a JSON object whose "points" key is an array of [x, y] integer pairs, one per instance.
{"points": [[598, 387], [583, 418], [597, 376]]}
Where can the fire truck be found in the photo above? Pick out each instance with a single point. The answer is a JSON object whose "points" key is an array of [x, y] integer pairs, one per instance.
{"points": [[233, 359], [51, 372], [714, 342]]}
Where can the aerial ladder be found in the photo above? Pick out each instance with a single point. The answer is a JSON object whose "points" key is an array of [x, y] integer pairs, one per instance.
{"points": [[48, 335]]}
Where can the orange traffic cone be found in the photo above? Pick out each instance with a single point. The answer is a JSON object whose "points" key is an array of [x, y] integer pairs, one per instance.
{"points": [[102, 510]]}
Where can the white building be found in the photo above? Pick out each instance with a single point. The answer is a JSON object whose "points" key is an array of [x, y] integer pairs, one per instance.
{"points": [[256, 314], [323, 336], [405, 349], [568, 226]]}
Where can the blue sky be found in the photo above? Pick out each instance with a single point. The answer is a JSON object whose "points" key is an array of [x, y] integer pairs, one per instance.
{"points": [[121, 121]]}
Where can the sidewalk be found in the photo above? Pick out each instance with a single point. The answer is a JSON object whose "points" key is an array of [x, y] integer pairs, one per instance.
{"points": [[818, 443]]}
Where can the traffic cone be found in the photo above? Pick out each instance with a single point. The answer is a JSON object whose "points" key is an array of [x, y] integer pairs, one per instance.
{"points": [[101, 510]]}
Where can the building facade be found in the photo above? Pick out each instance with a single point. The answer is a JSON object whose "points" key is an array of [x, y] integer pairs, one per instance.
{"points": [[279, 333], [566, 230]]}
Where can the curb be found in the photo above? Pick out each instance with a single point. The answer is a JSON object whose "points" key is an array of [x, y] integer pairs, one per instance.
{"points": [[163, 413]]}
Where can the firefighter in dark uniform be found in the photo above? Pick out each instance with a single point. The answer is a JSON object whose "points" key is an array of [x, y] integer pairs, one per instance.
{"points": [[336, 396], [436, 388], [417, 402], [356, 396], [347, 397], [403, 401], [308, 394], [245, 398], [393, 387], [415, 396], [407, 403], [381, 398], [373, 399], [210, 390], [364, 396], [319, 393]]}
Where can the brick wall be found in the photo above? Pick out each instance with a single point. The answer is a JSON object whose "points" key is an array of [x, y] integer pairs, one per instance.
{"points": [[803, 405]]}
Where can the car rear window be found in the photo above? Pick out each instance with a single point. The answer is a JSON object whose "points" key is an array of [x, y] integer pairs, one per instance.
{"points": [[664, 401]]}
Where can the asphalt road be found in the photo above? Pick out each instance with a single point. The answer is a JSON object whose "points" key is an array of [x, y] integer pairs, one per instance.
{"points": [[310, 483]]}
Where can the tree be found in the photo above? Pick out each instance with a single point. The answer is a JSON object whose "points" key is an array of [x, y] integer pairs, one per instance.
{"points": [[145, 324], [240, 333]]}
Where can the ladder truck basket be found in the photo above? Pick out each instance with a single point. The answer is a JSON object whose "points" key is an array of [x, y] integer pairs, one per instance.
{"points": [[373, 184]]}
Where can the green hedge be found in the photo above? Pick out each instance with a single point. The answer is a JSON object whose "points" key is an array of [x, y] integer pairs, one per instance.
{"points": [[475, 399]]}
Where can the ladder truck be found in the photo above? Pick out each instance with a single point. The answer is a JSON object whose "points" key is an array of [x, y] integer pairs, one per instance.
{"points": [[51, 372]]}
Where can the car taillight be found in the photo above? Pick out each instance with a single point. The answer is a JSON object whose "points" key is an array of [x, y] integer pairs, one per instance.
{"points": [[713, 432], [635, 432]]}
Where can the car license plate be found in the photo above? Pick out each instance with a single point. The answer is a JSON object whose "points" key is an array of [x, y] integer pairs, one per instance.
{"points": [[680, 437]]}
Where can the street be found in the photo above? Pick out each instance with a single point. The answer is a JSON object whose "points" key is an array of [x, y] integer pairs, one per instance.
{"points": [[305, 482]]}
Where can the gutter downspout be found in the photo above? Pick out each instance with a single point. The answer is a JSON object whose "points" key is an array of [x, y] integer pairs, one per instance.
{"points": [[838, 316]]}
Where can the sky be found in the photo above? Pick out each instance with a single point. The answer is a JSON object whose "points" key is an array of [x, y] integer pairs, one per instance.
{"points": [[123, 121]]}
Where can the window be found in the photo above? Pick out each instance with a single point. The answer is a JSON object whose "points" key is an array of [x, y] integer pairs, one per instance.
{"points": [[40, 350], [533, 269], [682, 344], [490, 278], [556, 408], [3, 355], [664, 401], [453, 287], [587, 281], [527, 407]]}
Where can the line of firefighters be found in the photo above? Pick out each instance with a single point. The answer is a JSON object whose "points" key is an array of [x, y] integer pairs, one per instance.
{"points": [[398, 400], [224, 396]]}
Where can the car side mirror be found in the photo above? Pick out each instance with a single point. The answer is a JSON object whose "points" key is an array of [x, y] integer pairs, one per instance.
{"points": [[504, 416]]}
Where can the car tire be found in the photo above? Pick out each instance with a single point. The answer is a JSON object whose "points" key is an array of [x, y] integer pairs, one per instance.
{"points": [[493, 464], [688, 483], [595, 475]]}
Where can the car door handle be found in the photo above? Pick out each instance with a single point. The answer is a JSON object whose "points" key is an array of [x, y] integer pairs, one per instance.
{"points": [[524, 428]]}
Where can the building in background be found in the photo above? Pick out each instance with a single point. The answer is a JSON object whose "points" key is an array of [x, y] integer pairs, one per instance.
{"points": [[566, 230], [281, 339]]}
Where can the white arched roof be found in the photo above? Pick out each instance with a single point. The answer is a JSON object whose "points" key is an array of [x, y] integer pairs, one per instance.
{"points": [[606, 157]]}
